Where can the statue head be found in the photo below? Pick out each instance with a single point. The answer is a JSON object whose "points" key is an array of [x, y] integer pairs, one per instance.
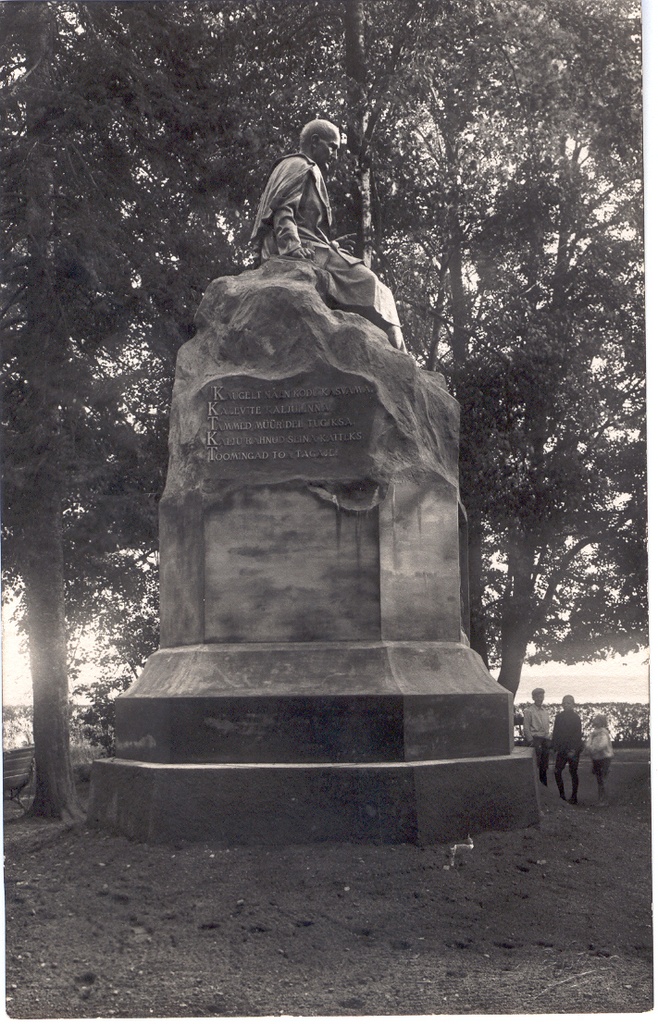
{"points": [[320, 140]]}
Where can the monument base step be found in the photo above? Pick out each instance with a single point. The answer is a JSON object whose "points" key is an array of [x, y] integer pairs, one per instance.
{"points": [[269, 703], [422, 802]]}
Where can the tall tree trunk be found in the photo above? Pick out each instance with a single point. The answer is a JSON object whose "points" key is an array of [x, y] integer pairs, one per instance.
{"points": [[517, 626], [455, 262], [45, 346], [460, 335], [44, 585], [514, 647], [478, 637], [355, 69], [459, 302]]}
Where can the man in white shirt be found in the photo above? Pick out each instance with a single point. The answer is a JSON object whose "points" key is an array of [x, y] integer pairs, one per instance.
{"points": [[537, 731]]}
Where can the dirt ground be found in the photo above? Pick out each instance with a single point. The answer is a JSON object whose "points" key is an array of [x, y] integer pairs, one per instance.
{"points": [[554, 919]]}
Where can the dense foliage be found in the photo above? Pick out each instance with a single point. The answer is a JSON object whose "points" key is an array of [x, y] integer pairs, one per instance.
{"points": [[498, 145]]}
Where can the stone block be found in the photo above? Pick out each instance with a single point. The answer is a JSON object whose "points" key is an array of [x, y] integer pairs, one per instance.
{"points": [[426, 803], [282, 564], [317, 701]]}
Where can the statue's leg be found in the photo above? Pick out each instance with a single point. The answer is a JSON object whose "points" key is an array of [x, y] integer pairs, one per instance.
{"points": [[396, 338], [356, 289]]}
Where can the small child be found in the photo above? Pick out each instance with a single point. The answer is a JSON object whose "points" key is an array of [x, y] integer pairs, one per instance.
{"points": [[599, 747]]}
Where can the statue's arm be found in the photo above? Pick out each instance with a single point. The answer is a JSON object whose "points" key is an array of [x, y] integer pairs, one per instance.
{"points": [[285, 230], [287, 238]]}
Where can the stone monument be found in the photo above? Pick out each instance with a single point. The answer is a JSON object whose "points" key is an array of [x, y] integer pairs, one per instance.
{"points": [[314, 680]]}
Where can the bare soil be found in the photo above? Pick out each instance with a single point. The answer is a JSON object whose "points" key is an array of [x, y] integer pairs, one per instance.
{"points": [[555, 919]]}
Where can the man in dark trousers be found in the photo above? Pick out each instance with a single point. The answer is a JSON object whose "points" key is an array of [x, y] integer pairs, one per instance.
{"points": [[537, 731], [567, 742]]}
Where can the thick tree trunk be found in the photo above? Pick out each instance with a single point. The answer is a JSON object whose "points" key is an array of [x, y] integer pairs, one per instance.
{"points": [[514, 644], [460, 331], [355, 69], [460, 334], [44, 586], [45, 347], [517, 625], [459, 301], [478, 637]]}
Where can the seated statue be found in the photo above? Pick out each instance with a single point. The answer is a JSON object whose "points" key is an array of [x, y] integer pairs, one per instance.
{"points": [[294, 221]]}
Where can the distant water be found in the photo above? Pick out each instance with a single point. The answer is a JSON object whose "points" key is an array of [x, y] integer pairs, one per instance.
{"points": [[617, 679], [622, 678]]}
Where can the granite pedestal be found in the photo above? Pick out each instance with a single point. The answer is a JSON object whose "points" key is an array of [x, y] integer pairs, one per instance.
{"points": [[314, 680]]}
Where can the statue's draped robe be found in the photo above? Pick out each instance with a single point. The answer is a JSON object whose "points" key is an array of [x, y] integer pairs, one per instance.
{"points": [[295, 210]]}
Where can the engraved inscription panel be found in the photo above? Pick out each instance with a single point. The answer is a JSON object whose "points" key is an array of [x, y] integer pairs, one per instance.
{"points": [[299, 419]]}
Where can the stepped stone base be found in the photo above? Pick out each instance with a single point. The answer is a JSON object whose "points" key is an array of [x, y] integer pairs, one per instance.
{"points": [[315, 702], [423, 802]]}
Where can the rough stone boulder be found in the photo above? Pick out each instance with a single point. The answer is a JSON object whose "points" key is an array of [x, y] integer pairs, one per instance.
{"points": [[269, 329]]}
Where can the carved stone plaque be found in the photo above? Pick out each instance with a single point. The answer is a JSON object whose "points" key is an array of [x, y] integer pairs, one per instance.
{"points": [[297, 424]]}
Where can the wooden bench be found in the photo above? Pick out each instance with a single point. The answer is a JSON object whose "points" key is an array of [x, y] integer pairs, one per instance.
{"points": [[17, 772]]}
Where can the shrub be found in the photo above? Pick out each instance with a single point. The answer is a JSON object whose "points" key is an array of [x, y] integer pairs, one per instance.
{"points": [[17, 726], [628, 723], [96, 719]]}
